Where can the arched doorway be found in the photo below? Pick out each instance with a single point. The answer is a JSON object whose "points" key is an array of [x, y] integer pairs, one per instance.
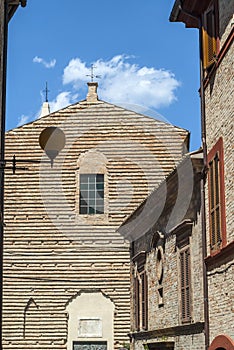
{"points": [[222, 342]]}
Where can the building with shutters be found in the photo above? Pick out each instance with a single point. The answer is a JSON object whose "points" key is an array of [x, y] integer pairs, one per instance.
{"points": [[215, 22], [166, 262], [66, 269], [182, 262]]}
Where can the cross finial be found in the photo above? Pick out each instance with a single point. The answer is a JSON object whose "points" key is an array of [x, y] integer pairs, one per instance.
{"points": [[46, 91], [92, 75]]}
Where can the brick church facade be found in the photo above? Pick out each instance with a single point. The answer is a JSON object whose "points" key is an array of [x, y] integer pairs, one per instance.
{"points": [[66, 269]]}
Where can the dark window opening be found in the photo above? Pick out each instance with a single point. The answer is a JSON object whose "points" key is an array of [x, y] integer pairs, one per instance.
{"points": [[185, 285], [144, 300], [91, 194]]}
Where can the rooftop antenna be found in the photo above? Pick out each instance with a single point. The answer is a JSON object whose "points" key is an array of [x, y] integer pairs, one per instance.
{"points": [[92, 75], [46, 91]]}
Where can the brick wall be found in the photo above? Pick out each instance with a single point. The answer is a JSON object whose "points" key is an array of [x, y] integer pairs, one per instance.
{"points": [[219, 123]]}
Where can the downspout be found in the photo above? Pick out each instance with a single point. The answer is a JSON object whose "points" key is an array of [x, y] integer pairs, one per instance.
{"points": [[203, 181], [203, 198]]}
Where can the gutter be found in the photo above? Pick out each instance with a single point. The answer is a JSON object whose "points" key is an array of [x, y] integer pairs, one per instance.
{"points": [[203, 204]]}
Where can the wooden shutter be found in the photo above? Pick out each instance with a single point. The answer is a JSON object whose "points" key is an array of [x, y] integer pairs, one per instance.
{"points": [[214, 200], [144, 300], [185, 285], [209, 31], [136, 303]]}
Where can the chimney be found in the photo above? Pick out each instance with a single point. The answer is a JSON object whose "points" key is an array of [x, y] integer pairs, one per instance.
{"points": [[45, 109], [92, 92]]}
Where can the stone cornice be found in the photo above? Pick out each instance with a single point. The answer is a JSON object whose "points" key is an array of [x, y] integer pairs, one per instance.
{"points": [[193, 328]]}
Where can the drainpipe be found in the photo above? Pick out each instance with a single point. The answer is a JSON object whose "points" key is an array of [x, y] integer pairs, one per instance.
{"points": [[203, 181], [203, 204]]}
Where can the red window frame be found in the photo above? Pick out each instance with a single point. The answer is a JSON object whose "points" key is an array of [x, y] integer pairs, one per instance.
{"points": [[216, 189]]}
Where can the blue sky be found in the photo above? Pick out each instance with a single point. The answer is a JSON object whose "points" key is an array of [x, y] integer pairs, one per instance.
{"points": [[142, 58]]}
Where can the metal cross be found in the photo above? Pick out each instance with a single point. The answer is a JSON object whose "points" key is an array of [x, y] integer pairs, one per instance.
{"points": [[46, 93], [92, 75]]}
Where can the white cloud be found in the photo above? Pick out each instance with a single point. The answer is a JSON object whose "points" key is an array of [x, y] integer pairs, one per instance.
{"points": [[23, 120], [75, 71], [123, 82], [46, 64], [62, 100]]}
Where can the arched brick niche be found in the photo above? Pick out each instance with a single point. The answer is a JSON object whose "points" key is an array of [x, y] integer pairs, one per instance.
{"points": [[222, 342]]}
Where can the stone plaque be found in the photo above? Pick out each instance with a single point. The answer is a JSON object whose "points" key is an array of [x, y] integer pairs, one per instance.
{"points": [[90, 327]]}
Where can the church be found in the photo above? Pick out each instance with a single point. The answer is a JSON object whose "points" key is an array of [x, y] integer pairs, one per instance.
{"points": [[66, 267]]}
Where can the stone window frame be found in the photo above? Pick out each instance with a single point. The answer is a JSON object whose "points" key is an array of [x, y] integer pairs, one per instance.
{"points": [[183, 233], [92, 162], [158, 243], [140, 292], [185, 284]]}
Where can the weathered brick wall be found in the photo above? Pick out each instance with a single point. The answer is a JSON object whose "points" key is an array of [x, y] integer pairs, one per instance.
{"points": [[168, 315], [219, 122], [221, 296], [226, 20], [184, 342]]}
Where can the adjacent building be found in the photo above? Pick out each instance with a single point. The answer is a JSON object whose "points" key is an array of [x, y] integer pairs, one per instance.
{"points": [[215, 21], [182, 260], [166, 262], [66, 269]]}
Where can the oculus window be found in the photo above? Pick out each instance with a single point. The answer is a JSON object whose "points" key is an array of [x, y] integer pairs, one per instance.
{"points": [[91, 194]]}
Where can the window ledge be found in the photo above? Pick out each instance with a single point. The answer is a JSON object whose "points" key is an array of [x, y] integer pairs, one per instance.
{"points": [[187, 329], [220, 256], [94, 219]]}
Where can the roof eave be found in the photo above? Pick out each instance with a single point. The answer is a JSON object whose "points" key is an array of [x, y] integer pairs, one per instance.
{"points": [[196, 158], [13, 5], [11, 11], [177, 15], [188, 12]]}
